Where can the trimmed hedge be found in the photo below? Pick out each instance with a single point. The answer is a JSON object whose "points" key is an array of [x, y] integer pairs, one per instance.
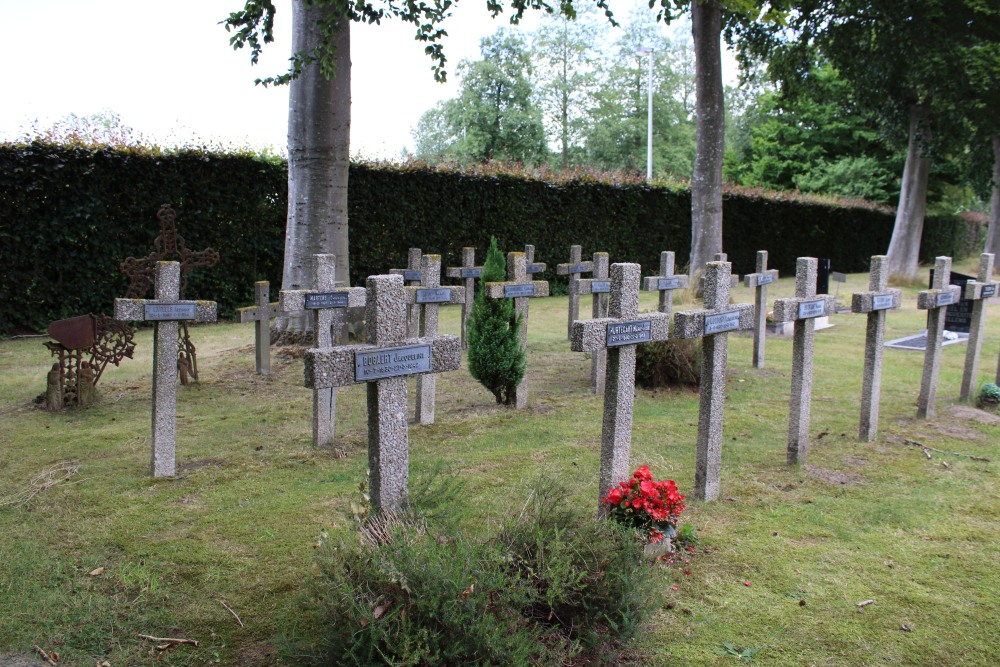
{"points": [[70, 215]]}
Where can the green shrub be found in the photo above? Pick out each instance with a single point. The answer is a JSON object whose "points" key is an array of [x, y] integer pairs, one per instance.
{"points": [[675, 362], [989, 395]]}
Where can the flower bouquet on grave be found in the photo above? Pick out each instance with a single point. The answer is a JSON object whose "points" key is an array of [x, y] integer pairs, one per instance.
{"points": [[649, 506]]}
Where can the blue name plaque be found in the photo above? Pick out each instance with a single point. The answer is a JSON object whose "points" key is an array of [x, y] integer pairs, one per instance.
{"points": [[434, 295], [512, 291], [322, 300], [391, 362], [154, 312], [809, 309]]}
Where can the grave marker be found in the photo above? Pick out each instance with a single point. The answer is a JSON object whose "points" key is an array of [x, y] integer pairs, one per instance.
{"points": [[935, 301], [384, 362], [573, 269], [531, 267], [600, 287], [758, 282], [711, 324], [467, 272], [411, 274], [734, 279], [165, 310], [665, 282], [977, 291], [261, 315]]}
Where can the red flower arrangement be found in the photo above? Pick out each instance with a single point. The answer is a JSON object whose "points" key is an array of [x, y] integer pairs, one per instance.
{"points": [[646, 504]]}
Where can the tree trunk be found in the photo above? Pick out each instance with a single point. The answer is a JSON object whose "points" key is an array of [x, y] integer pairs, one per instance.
{"points": [[904, 247], [706, 182], [993, 237], [319, 132]]}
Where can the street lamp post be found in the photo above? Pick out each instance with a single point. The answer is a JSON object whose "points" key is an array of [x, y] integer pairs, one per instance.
{"points": [[648, 51]]}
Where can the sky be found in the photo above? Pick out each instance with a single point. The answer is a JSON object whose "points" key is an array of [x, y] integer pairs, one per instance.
{"points": [[166, 68]]}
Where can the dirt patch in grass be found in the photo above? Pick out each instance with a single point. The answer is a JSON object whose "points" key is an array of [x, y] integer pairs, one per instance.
{"points": [[256, 655], [837, 477], [201, 463], [855, 461], [20, 660], [967, 413]]}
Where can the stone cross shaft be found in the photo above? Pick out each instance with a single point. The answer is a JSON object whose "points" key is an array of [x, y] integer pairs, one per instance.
{"points": [[978, 291], [573, 269], [531, 266], [326, 303], [518, 287], [600, 287], [936, 302], [428, 297], [875, 302], [758, 282], [802, 309], [383, 362], [734, 279], [166, 310], [711, 324], [468, 272], [411, 276], [619, 334], [665, 282], [260, 315]]}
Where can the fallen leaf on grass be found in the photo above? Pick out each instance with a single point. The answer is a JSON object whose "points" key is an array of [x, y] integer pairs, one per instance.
{"points": [[96, 573], [379, 610]]}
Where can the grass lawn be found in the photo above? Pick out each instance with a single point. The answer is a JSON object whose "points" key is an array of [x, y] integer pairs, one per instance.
{"points": [[784, 556]]}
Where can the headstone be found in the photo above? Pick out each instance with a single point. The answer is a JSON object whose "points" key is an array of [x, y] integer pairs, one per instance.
{"points": [[327, 303], [935, 301], [758, 282], [618, 335], [428, 297], [260, 315], [573, 269], [166, 311], [411, 275], [958, 316], [823, 270], [467, 272], [518, 287], [384, 362], [712, 325], [665, 282], [600, 287], [531, 266], [875, 303], [977, 291], [734, 279]]}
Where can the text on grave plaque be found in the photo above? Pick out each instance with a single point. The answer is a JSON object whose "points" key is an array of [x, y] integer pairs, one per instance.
{"points": [[512, 291], [391, 362], [765, 279], [534, 268], [988, 291], [600, 286], [808, 309], [668, 283], [434, 295], [629, 333], [882, 302], [470, 273], [720, 322], [155, 312], [944, 299], [323, 300]]}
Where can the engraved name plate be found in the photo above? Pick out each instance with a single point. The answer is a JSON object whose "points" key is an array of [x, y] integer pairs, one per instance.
{"points": [[320, 300], [511, 291], [391, 362], [808, 309], [411, 275], [600, 286], [577, 268], [171, 311], [470, 273], [534, 268], [882, 301], [719, 322], [629, 333], [988, 291], [434, 295], [668, 283], [944, 299], [765, 279]]}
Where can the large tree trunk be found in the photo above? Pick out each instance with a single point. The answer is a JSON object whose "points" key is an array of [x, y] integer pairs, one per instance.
{"points": [[319, 130], [904, 247], [993, 237], [706, 182]]}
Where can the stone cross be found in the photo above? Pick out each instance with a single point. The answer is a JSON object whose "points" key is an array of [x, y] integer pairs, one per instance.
{"points": [[875, 303], [618, 335], [427, 298], [711, 324], [531, 267], [758, 282], [573, 269], [666, 282], [599, 286], [261, 315], [734, 279], [802, 309], [936, 302], [327, 303], [977, 291], [384, 362], [411, 274], [467, 272], [518, 287], [165, 310]]}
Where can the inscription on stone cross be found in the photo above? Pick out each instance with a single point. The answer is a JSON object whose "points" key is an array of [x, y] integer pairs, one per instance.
{"points": [[261, 314], [665, 282], [599, 287], [934, 301], [573, 269], [977, 291], [758, 282]]}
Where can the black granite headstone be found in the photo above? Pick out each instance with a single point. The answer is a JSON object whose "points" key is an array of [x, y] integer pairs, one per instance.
{"points": [[958, 317], [823, 276]]}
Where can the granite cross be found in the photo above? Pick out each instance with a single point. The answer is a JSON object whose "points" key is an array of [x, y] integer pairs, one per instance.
{"points": [[411, 274], [573, 269], [467, 272], [384, 362], [327, 303], [618, 335], [428, 297], [260, 315], [518, 287], [599, 286], [875, 303], [734, 279], [711, 325], [936, 302], [802, 309], [666, 282], [531, 267], [977, 291], [166, 311], [758, 282]]}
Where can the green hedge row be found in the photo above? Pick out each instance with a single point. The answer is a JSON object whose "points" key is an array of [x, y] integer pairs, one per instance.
{"points": [[70, 215]]}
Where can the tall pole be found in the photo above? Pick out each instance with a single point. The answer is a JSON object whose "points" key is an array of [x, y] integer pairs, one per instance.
{"points": [[648, 51]]}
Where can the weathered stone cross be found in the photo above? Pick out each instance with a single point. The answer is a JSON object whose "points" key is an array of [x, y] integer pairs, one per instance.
{"points": [[518, 287], [758, 282], [166, 311], [599, 286], [384, 362], [977, 291], [427, 298], [711, 325], [327, 303], [531, 267], [936, 302], [618, 335], [573, 269], [734, 279], [875, 303], [411, 274], [666, 282], [467, 272], [261, 315], [802, 309]]}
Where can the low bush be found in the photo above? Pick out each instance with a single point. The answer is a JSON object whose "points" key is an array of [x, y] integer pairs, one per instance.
{"points": [[675, 362]]}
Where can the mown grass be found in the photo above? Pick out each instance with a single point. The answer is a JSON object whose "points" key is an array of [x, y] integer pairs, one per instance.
{"points": [[237, 526]]}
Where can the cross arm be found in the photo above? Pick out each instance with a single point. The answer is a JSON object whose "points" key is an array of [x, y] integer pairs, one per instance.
{"points": [[134, 310], [592, 335], [864, 302], [252, 313], [294, 300], [334, 366], [577, 267], [787, 310], [593, 286], [927, 299], [496, 290], [537, 267], [470, 271], [753, 280], [437, 295], [975, 290], [691, 324], [654, 284]]}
